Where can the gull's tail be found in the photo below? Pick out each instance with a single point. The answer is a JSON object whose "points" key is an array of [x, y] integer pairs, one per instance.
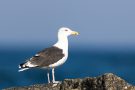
{"points": [[26, 65], [23, 66]]}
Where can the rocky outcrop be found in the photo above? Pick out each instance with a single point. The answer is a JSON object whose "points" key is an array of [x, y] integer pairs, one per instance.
{"points": [[107, 81]]}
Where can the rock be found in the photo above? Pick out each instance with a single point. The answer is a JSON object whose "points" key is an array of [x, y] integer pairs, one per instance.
{"points": [[107, 81]]}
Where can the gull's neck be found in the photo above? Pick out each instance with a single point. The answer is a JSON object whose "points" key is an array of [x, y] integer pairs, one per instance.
{"points": [[62, 43]]}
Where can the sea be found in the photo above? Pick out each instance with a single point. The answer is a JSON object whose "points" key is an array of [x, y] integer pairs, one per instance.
{"points": [[82, 62]]}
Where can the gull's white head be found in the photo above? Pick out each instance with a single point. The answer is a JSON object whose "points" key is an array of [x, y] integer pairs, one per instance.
{"points": [[64, 31]]}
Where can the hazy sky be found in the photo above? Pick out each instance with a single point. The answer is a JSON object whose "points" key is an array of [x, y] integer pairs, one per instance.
{"points": [[100, 22]]}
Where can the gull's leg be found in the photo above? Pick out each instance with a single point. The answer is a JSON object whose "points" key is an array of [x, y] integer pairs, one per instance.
{"points": [[48, 76], [53, 77]]}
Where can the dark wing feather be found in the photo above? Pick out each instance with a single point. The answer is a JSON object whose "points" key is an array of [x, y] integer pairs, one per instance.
{"points": [[47, 56]]}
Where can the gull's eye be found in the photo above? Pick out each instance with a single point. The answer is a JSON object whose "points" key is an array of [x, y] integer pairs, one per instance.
{"points": [[66, 30]]}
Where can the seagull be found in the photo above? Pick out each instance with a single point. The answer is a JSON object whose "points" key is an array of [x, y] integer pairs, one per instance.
{"points": [[52, 57]]}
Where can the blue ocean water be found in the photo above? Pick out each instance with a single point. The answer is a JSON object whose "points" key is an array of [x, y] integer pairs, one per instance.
{"points": [[81, 63]]}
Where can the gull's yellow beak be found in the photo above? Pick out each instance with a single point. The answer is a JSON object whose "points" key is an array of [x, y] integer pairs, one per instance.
{"points": [[74, 33]]}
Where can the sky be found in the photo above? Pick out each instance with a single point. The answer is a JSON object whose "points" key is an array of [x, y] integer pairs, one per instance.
{"points": [[36, 22]]}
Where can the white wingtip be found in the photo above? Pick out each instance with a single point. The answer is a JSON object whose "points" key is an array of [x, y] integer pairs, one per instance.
{"points": [[19, 66]]}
